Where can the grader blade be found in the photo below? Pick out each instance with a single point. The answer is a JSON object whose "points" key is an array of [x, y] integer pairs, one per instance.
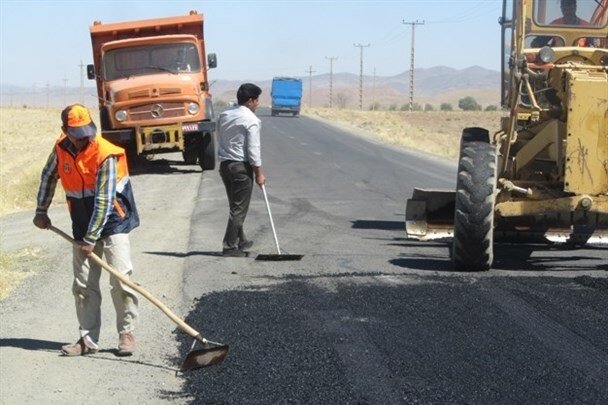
{"points": [[429, 214]]}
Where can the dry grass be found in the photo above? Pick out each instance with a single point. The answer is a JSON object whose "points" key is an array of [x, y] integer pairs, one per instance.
{"points": [[26, 139], [435, 132]]}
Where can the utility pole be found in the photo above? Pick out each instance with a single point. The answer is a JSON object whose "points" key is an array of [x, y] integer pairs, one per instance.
{"points": [[413, 24], [310, 72], [81, 95], [361, 75], [331, 77]]}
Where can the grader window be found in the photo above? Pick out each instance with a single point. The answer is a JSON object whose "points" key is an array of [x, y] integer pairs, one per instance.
{"points": [[571, 13]]}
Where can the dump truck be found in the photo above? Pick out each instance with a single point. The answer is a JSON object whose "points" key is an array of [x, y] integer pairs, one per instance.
{"points": [[286, 94], [544, 174], [153, 89]]}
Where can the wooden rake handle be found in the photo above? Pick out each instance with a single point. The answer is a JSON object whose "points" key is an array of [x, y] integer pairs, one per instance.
{"points": [[135, 286]]}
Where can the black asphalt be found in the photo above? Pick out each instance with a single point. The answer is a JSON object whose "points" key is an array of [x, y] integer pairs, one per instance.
{"points": [[368, 317]]}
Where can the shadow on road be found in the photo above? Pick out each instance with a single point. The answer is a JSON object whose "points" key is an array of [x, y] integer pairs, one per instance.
{"points": [[508, 256], [186, 254], [55, 347], [161, 166], [380, 225], [31, 344]]}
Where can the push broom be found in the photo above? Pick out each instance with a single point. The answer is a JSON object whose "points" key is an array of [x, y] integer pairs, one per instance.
{"points": [[278, 256]]}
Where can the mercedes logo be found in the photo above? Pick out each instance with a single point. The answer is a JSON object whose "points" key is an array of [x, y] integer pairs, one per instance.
{"points": [[157, 111]]}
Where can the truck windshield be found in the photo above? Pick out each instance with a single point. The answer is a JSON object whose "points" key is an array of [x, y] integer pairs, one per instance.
{"points": [[150, 59]]}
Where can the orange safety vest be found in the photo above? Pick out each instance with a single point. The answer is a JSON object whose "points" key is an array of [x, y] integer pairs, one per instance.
{"points": [[78, 175]]}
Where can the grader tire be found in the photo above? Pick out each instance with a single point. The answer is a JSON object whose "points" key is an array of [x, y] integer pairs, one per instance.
{"points": [[472, 248]]}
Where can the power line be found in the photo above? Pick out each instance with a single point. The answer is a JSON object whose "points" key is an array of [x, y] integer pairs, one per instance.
{"points": [[477, 10], [361, 74], [413, 24], [331, 77]]}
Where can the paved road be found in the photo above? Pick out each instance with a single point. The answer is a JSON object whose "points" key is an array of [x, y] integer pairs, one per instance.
{"points": [[370, 317]]}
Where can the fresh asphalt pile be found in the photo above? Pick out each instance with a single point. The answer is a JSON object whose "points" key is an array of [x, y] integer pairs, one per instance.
{"points": [[300, 342]]}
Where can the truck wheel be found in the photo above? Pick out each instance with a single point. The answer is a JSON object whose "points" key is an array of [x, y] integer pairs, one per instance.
{"points": [[206, 157], [472, 248], [190, 155], [273, 113], [134, 161], [104, 118]]}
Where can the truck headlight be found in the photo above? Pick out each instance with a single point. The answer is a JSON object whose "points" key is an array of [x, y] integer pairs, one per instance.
{"points": [[193, 108], [120, 115]]}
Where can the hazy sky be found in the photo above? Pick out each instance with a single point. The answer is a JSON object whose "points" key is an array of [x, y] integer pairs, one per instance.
{"points": [[43, 42]]}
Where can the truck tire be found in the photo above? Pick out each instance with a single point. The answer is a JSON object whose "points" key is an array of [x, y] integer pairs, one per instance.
{"points": [[206, 157], [134, 161], [190, 155], [472, 248], [273, 113], [104, 118]]}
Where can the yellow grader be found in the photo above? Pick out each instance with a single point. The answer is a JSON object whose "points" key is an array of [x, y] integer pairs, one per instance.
{"points": [[545, 172]]}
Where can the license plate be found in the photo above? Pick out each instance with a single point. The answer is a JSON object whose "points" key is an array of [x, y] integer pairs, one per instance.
{"points": [[190, 127]]}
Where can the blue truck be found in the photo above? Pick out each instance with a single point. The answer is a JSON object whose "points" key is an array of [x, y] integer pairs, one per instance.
{"points": [[286, 95]]}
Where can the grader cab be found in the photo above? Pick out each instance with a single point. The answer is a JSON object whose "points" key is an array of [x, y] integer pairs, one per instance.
{"points": [[544, 174]]}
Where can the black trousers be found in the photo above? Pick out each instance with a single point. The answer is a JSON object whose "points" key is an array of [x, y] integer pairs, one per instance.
{"points": [[238, 181]]}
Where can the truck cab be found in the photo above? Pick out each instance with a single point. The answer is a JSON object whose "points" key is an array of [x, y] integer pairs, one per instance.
{"points": [[153, 88]]}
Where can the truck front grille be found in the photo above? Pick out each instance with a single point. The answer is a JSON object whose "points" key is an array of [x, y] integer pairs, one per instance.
{"points": [[157, 111]]}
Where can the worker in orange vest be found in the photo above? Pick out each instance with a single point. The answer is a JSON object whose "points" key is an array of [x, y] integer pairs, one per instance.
{"points": [[95, 177]]}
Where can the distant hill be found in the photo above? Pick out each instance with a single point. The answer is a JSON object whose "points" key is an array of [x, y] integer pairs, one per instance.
{"points": [[436, 85]]}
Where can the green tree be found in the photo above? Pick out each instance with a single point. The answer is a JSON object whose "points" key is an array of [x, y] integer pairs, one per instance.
{"points": [[428, 107], [468, 104], [491, 108], [445, 107]]}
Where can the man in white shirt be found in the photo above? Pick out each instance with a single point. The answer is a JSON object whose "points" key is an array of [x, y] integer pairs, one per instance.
{"points": [[239, 152]]}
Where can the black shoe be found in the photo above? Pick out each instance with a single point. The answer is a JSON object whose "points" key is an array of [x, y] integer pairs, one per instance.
{"points": [[245, 245], [234, 253]]}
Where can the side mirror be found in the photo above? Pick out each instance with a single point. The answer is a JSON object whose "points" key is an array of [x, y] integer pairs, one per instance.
{"points": [[211, 61], [91, 72]]}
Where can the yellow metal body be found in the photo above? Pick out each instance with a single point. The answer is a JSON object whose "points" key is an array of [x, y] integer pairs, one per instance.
{"points": [[586, 132], [552, 148]]}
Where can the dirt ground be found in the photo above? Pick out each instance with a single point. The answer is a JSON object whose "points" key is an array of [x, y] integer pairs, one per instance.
{"points": [[39, 316]]}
